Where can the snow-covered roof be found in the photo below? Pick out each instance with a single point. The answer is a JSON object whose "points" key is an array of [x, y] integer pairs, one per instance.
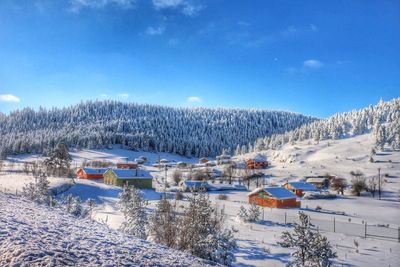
{"points": [[259, 158], [316, 180], [131, 174], [194, 184], [275, 192], [94, 170], [303, 186], [223, 157], [164, 161]]}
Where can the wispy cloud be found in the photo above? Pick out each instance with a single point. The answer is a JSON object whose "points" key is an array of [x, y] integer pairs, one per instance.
{"points": [[103, 95], [123, 95], [77, 5], [9, 98], [155, 30], [313, 64], [194, 99], [186, 7]]}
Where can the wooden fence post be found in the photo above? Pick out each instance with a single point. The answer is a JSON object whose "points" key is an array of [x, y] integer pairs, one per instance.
{"points": [[334, 225], [285, 217], [365, 232]]}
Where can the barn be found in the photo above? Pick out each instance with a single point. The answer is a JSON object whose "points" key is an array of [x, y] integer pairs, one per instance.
{"points": [[274, 197], [300, 187], [320, 182], [120, 177], [91, 173]]}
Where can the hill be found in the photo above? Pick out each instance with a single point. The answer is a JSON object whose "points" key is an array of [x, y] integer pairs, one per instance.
{"points": [[100, 124], [32, 234]]}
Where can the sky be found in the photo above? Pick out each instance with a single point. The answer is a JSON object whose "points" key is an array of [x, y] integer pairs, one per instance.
{"points": [[312, 57]]}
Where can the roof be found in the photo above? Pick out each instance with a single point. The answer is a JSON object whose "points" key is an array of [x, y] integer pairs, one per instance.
{"points": [[128, 163], [316, 180], [94, 170], [303, 186], [259, 158], [131, 174], [275, 192]]}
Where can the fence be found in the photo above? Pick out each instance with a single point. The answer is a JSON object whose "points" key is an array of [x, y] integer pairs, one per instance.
{"points": [[334, 225]]}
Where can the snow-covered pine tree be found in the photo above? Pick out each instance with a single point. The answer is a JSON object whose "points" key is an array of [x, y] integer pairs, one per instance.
{"points": [[133, 205], [38, 191], [254, 213], [202, 233], [163, 224], [242, 214], [312, 249]]}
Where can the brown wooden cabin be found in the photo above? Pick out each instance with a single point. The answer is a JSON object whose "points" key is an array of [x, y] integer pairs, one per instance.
{"points": [[299, 187], [274, 197]]}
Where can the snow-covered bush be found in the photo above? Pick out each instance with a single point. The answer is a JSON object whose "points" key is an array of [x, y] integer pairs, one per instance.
{"points": [[251, 215], [133, 205], [312, 249]]}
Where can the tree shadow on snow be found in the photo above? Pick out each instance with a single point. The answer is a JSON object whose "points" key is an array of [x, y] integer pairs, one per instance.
{"points": [[254, 253]]}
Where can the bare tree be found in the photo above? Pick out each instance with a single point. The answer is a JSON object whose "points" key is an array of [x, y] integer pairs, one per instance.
{"points": [[372, 186], [339, 185], [358, 183], [176, 176]]}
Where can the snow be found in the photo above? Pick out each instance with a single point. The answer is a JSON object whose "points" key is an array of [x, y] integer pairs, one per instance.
{"points": [[32, 234]]}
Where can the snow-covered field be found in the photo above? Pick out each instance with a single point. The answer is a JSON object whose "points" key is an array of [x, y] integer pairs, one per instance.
{"points": [[258, 242], [35, 235]]}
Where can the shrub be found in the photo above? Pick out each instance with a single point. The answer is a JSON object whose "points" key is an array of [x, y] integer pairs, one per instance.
{"points": [[223, 197]]}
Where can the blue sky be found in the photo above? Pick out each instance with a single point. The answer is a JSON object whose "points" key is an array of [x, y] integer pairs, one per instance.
{"points": [[312, 57]]}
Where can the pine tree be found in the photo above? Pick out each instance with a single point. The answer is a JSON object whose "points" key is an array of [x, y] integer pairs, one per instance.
{"points": [[38, 191], [312, 249], [163, 224], [132, 204]]}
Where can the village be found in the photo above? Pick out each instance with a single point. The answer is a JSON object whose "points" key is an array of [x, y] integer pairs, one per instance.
{"points": [[322, 188]]}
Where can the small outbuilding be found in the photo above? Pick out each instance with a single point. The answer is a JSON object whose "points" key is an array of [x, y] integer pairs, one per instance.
{"points": [[300, 187], [120, 177], [181, 165], [223, 159], [274, 197], [91, 173], [319, 181]]}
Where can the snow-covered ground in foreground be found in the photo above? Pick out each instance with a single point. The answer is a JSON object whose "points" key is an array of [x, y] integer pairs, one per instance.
{"points": [[32, 234], [258, 242]]}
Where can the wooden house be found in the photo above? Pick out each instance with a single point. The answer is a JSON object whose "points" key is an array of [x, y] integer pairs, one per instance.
{"points": [[127, 165], [203, 160], [137, 178], [224, 159], [300, 187], [257, 162], [274, 197], [91, 173]]}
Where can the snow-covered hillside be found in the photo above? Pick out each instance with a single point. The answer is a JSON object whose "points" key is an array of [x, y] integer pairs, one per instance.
{"points": [[32, 234], [99, 124]]}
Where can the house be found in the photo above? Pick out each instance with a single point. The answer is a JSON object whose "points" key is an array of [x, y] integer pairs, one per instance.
{"points": [[137, 178], [274, 197], [203, 160], [223, 159], [91, 173], [192, 185], [127, 165], [299, 187], [257, 162], [319, 181]]}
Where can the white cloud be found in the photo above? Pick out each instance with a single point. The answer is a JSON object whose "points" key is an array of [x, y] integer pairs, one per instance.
{"points": [[313, 63], [123, 95], [9, 98], [155, 31], [194, 99], [77, 5], [186, 7], [103, 95]]}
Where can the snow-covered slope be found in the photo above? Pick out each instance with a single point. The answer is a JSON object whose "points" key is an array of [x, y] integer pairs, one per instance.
{"points": [[32, 234]]}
